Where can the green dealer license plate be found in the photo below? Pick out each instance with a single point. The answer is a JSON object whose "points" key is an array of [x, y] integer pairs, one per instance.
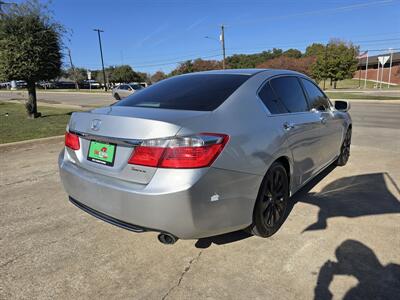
{"points": [[102, 153]]}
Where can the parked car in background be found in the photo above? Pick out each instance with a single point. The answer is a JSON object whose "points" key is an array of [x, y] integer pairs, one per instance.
{"points": [[5, 85], [125, 89], [206, 153], [21, 84], [90, 84]]}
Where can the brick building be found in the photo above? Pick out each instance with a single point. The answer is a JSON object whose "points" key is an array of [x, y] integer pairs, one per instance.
{"points": [[373, 68]]}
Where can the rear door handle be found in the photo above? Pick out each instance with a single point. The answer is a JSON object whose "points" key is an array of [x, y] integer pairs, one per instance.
{"points": [[287, 126]]}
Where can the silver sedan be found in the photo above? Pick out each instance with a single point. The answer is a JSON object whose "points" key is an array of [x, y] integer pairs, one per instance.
{"points": [[126, 89], [205, 153]]}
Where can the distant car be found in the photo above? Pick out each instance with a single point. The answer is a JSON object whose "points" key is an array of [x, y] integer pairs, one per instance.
{"points": [[21, 84], [90, 84], [5, 85], [205, 153], [125, 89]]}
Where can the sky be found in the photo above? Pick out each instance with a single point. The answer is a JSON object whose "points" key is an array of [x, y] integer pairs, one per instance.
{"points": [[156, 34]]}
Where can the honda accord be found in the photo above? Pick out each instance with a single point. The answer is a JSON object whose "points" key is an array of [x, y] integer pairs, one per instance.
{"points": [[203, 154]]}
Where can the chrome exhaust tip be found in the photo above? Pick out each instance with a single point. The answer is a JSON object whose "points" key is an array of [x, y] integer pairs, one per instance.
{"points": [[167, 239]]}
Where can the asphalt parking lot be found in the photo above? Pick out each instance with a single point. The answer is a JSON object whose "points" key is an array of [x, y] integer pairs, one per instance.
{"points": [[342, 237]]}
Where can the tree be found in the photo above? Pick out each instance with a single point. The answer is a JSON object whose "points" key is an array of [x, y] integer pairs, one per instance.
{"points": [[337, 62], [30, 44], [143, 77], [76, 74], [158, 76], [315, 49], [123, 73], [196, 65], [293, 53], [302, 65], [243, 61]]}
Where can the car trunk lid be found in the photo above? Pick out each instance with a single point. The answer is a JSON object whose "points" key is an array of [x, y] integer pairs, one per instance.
{"points": [[124, 128]]}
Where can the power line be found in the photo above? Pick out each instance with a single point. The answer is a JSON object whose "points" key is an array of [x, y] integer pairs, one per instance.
{"points": [[160, 63], [317, 12], [188, 56]]}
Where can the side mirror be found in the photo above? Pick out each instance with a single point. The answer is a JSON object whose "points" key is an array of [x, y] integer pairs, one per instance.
{"points": [[342, 105]]}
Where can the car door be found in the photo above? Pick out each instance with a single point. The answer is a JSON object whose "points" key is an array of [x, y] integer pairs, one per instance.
{"points": [[331, 127], [300, 126]]}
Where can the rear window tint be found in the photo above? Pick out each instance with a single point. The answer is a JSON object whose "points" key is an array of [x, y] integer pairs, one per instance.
{"points": [[202, 92]]}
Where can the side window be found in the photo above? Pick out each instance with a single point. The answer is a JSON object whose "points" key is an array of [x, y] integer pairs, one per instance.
{"points": [[316, 98], [290, 92], [270, 100], [121, 87]]}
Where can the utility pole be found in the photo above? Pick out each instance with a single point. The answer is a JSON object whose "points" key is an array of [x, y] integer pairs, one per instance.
{"points": [[101, 54], [390, 66], [325, 61], [73, 69], [223, 45]]}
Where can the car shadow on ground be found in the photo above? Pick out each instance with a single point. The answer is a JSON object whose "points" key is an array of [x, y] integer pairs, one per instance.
{"points": [[375, 281], [353, 196]]}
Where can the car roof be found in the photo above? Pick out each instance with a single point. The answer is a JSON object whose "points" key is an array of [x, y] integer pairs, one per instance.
{"points": [[250, 72]]}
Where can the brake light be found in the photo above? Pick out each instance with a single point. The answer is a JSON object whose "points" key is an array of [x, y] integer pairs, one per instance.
{"points": [[72, 141], [196, 151]]}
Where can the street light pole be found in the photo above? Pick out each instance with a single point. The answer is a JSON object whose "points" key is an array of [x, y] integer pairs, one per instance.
{"points": [[223, 45], [101, 54]]}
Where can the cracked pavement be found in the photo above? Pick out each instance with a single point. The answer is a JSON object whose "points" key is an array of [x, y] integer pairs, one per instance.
{"points": [[341, 238]]}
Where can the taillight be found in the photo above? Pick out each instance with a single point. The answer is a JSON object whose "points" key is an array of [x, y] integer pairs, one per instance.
{"points": [[196, 151], [72, 141]]}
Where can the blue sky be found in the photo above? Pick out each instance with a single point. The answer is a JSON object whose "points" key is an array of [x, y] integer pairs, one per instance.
{"points": [[152, 35]]}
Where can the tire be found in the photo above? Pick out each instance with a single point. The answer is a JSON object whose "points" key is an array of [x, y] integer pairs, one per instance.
{"points": [[272, 202], [344, 150], [117, 97]]}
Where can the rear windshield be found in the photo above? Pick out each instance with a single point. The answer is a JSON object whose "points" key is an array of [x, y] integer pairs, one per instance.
{"points": [[203, 92]]}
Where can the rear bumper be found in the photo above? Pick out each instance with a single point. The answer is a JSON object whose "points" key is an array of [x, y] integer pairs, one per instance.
{"points": [[186, 203]]}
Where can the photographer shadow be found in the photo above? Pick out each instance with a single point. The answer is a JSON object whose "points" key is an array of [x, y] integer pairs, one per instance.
{"points": [[375, 281]]}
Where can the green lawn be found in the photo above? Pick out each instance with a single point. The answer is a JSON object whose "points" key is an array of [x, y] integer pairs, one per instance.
{"points": [[17, 127], [353, 84], [349, 96]]}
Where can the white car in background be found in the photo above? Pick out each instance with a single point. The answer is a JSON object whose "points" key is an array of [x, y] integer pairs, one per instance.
{"points": [[125, 89]]}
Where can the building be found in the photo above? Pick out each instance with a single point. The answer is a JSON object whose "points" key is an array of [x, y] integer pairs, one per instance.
{"points": [[372, 71]]}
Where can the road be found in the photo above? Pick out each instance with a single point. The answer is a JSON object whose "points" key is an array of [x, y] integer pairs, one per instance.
{"points": [[83, 99], [342, 236]]}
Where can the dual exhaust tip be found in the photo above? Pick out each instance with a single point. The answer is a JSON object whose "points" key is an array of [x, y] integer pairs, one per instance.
{"points": [[167, 239]]}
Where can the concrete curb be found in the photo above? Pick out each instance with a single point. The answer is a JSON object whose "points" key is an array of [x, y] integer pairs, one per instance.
{"points": [[7, 146]]}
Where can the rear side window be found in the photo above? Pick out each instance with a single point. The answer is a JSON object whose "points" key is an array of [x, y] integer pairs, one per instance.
{"points": [[202, 92], [316, 98], [270, 100], [290, 92]]}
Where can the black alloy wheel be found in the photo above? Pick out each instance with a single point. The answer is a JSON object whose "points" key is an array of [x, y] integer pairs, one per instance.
{"points": [[344, 150], [272, 202]]}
